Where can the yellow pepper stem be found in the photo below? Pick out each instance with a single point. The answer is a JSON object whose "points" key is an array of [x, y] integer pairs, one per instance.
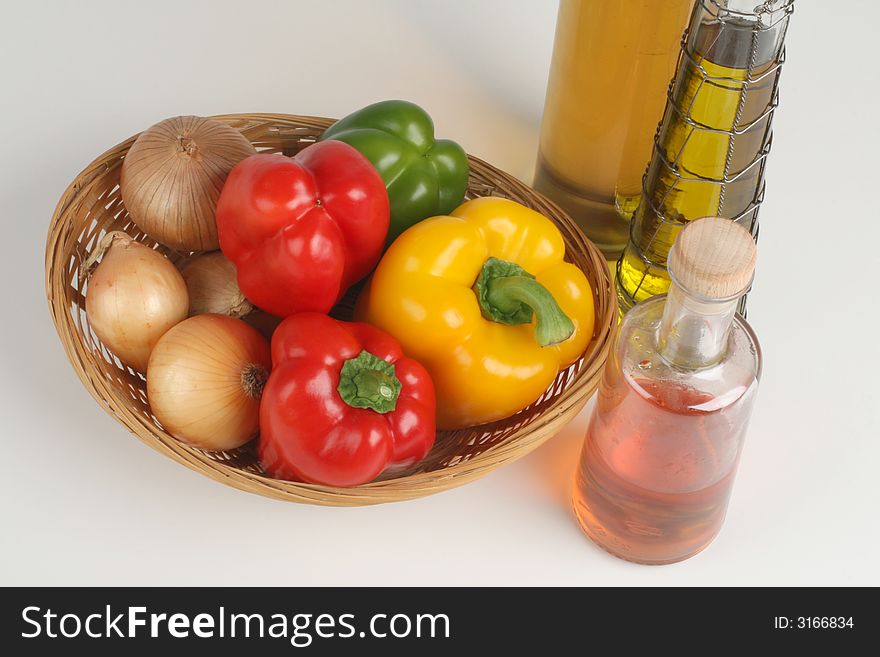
{"points": [[508, 294]]}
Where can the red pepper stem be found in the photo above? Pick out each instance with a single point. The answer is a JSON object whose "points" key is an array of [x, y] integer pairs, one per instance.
{"points": [[367, 381]]}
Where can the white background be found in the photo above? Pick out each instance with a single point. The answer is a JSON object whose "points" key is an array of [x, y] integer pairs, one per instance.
{"points": [[83, 502]]}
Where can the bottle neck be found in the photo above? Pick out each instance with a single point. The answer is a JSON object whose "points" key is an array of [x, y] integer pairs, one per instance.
{"points": [[694, 332]]}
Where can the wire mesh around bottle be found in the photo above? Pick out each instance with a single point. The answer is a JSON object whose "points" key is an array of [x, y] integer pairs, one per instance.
{"points": [[654, 229], [774, 11], [748, 125], [748, 217]]}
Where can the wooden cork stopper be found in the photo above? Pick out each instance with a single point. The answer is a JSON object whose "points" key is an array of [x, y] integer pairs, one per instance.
{"points": [[713, 258]]}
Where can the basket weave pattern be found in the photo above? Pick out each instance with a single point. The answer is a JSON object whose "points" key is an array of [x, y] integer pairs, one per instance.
{"points": [[92, 206]]}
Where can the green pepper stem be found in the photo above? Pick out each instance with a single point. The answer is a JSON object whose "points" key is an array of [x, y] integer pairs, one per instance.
{"points": [[369, 382], [510, 295]]}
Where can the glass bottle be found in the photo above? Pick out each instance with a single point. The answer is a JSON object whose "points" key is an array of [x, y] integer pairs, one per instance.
{"points": [[664, 440], [612, 64], [714, 138]]}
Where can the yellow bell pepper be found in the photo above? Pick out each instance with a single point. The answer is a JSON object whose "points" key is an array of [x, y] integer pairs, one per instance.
{"points": [[484, 300]]}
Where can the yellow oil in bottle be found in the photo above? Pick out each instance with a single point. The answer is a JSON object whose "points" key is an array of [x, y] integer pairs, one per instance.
{"points": [[626, 204], [612, 64], [708, 159]]}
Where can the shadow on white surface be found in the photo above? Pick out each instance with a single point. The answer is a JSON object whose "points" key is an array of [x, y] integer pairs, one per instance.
{"points": [[549, 471]]}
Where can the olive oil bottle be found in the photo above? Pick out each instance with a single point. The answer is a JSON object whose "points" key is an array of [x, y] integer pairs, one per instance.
{"points": [[714, 138]]}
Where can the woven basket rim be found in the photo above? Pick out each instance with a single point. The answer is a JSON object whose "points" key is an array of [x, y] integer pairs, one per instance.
{"points": [[523, 439]]}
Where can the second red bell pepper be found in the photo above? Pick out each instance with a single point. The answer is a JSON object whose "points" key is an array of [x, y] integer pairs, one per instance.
{"points": [[342, 404], [302, 230]]}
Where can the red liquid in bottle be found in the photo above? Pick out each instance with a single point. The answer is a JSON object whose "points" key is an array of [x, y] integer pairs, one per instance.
{"points": [[657, 468]]}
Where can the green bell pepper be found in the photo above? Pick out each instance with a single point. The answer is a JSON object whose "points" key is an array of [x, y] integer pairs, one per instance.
{"points": [[424, 176]]}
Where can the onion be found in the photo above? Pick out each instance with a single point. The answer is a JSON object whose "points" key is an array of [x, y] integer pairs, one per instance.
{"points": [[212, 283], [172, 176], [205, 379], [133, 297]]}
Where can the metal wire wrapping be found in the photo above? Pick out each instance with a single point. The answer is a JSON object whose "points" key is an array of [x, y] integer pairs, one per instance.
{"points": [[770, 15], [92, 206]]}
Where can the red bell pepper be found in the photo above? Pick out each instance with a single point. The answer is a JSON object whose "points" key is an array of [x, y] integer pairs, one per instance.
{"points": [[342, 404], [302, 230]]}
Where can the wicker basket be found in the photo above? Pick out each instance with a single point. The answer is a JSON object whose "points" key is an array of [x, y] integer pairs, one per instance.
{"points": [[92, 205]]}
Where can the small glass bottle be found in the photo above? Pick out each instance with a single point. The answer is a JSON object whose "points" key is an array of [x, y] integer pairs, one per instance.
{"points": [[664, 441]]}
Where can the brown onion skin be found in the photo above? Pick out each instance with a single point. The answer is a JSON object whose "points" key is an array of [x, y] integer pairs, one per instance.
{"points": [[133, 297], [205, 378], [172, 176], [212, 283]]}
